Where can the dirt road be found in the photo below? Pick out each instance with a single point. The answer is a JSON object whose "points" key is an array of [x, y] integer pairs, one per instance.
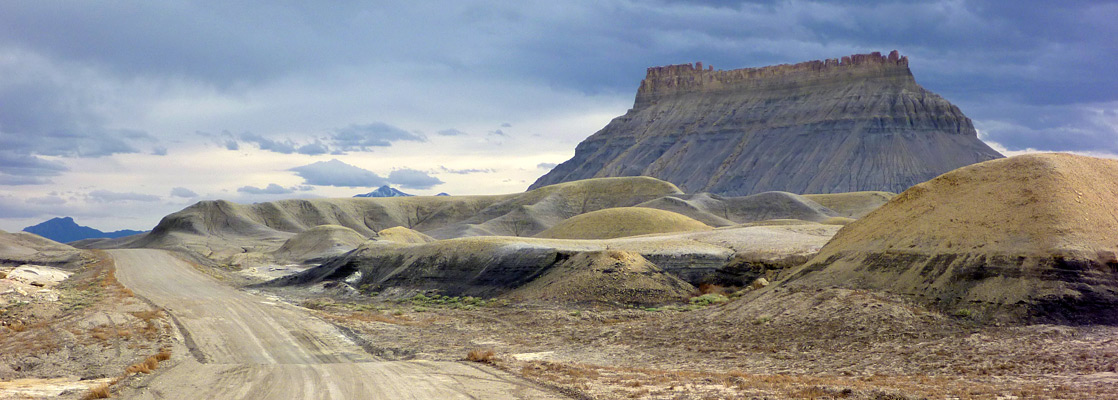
{"points": [[240, 346]]}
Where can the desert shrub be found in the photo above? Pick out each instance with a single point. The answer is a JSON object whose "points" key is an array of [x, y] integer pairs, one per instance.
{"points": [[317, 304], [709, 288], [456, 302], [708, 299], [481, 355]]}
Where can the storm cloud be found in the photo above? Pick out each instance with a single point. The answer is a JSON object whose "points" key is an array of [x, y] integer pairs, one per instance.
{"points": [[106, 86]]}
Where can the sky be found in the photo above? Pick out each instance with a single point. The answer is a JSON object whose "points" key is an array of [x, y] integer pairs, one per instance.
{"points": [[117, 113]]}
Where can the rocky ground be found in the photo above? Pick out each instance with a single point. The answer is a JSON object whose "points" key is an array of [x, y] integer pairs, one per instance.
{"points": [[836, 343], [64, 340], [858, 345]]}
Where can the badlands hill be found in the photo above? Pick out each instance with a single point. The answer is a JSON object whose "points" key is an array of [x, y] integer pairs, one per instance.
{"points": [[219, 229], [490, 266], [621, 222], [1032, 237], [715, 210], [22, 248], [861, 123]]}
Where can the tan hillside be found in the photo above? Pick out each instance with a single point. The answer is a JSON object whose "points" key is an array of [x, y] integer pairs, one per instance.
{"points": [[620, 222], [715, 210], [22, 247], [401, 234], [320, 241], [220, 229], [605, 276], [853, 204], [1030, 237], [492, 265], [536, 210]]}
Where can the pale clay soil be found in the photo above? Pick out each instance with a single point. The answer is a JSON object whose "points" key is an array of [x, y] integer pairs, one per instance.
{"points": [[857, 345], [607, 351], [59, 342]]}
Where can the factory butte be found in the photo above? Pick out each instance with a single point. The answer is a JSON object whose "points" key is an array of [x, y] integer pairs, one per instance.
{"points": [[836, 125]]}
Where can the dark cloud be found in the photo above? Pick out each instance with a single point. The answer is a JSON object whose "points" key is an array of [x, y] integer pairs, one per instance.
{"points": [[46, 111], [413, 179], [377, 134], [28, 167], [283, 147], [272, 188], [106, 196], [451, 132], [1030, 52], [340, 141], [183, 192], [337, 173], [313, 149]]}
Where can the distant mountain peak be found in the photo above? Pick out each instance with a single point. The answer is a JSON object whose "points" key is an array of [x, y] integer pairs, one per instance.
{"points": [[384, 191], [64, 230]]}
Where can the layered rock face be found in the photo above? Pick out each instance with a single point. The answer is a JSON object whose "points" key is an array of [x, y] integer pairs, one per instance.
{"points": [[1029, 238], [838, 125]]}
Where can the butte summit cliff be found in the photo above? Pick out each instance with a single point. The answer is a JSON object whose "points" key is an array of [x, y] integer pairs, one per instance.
{"points": [[838, 125]]}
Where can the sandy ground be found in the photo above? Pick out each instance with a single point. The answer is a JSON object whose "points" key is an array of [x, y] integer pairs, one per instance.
{"points": [[58, 340], [237, 345], [679, 352]]}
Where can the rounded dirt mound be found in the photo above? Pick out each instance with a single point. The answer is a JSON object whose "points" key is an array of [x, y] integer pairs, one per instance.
{"points": [[852, 204], [1029, 238], [320, 241], [621, 222], [401, 234], [717, 210], [605, 276]]}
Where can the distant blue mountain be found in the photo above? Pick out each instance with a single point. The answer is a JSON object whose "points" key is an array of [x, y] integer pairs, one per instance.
{"points": [[384, 191], [65, 230], [442, 194]]}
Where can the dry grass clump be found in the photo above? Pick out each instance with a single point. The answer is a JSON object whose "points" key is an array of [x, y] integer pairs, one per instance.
{"points": [[18, 326], [150, 364], [369, 316], [163, 355], [151, 327], [147, 366], [98, 392], [486, 356]]}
